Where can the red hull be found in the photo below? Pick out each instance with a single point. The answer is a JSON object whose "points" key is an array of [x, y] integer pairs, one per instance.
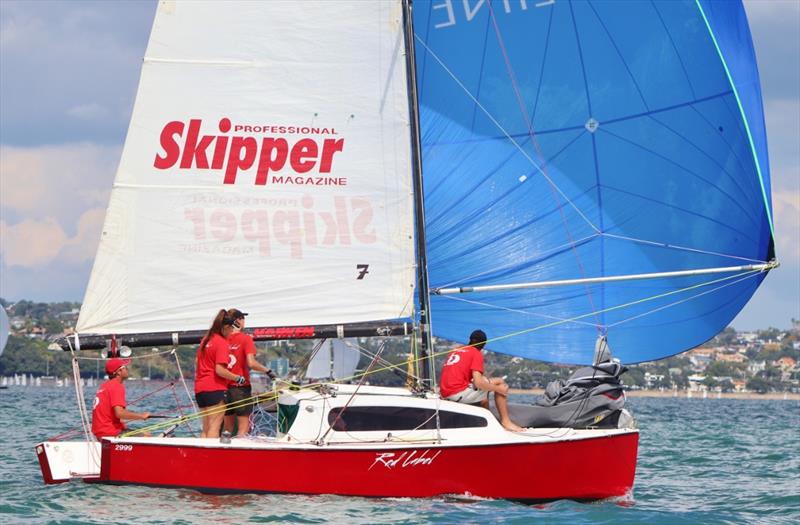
{"points": [[526, 471]]}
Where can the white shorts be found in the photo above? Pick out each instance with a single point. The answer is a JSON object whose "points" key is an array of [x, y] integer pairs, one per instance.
{"points": [[469, 395]]}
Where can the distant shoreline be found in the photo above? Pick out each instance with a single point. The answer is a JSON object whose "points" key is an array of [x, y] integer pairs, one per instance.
{"points": [[779, 396]]}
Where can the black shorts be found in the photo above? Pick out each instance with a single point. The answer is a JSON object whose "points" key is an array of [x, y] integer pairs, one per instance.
{"points": [[209, 399], [240, 393]]}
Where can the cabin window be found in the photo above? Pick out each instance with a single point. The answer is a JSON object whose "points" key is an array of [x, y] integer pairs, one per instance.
{"points": [[398, 418]]}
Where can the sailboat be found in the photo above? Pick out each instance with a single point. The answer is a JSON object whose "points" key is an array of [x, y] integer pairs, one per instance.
{"points": [[556, 173]]}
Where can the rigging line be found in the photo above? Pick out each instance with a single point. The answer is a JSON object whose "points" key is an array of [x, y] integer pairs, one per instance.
{"points": [[744, 277], [143, 356], [515, 310], [535, 143], [353, 395], [185, 387], [364, 351], [506, 134], [612, 308], [682, 248], [508, 267]]}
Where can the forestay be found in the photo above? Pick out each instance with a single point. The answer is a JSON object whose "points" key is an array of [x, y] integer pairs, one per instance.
{"points": [[572, 140], [266, 168]]}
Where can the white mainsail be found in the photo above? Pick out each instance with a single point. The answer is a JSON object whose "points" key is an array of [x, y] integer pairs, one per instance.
{"points": [[266, 167]]}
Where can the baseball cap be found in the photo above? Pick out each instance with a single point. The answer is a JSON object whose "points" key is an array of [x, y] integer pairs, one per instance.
{"points": [[112, 365], [233, 313]]}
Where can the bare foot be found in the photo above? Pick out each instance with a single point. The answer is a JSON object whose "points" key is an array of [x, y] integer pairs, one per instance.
{"points": [[511, 427]]}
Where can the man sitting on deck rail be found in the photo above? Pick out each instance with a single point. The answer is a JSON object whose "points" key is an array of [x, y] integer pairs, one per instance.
{"points": [[109, 402], [462, 380]]}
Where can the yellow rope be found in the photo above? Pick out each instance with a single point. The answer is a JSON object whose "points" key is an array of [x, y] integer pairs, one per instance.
{"points": [[260, 397]]}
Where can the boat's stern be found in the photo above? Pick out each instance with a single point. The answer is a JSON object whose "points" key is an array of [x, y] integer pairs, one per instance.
{"points": [[62, 461]]}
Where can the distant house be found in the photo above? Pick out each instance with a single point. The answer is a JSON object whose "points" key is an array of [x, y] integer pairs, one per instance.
{"points": [[37, 332], [747, 337], [701, 360], [739, 385], [785, 363], [696, 382], [755, 367], [731, 358]]}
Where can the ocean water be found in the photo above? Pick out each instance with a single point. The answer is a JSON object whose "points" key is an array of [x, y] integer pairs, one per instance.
{"points": [[700, 461]]}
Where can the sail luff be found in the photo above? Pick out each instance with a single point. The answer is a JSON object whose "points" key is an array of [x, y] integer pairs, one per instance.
{"points": [[428, 372]]}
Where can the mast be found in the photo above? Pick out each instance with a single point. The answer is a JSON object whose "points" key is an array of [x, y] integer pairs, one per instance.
{"points": [[428, 372]]}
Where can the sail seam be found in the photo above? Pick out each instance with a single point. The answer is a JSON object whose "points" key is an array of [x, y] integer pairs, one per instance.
{"points": [[545, 256], [743, 117], [681, 248], [505, 133], [676, 303], [576, 318]]}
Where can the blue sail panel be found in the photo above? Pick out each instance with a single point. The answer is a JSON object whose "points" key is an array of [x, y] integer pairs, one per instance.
{"points": [[568, 140]]}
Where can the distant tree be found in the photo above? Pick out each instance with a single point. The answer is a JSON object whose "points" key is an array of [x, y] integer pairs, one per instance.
{"points": [[709, 381], [758, 384], [680, 381], [727, 336], [768, 334], [634, 377], [726, 385]]}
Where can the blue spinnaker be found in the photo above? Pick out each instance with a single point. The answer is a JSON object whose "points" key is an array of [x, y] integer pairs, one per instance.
{"points": [[569, 140]]}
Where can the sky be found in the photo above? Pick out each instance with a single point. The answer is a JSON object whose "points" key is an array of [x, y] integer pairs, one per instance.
{"points": [[68, 78]]}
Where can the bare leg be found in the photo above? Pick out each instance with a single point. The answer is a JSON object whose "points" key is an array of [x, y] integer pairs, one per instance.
{"points": [[215, 421], [502, 407], [244, 425], [228, 425], [501, 401], [204, 432]]}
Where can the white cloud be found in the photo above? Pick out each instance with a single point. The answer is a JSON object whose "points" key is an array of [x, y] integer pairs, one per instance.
{"points": [[31, 242], [38, 243], [88, 112], [59, 182], [786, 206]]}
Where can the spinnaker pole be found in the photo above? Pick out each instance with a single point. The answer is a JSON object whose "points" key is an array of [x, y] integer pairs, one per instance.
{"points": [[428, 373]]}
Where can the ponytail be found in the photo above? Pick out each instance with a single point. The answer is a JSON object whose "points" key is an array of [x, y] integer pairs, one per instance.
{"points": [[216, 328]]}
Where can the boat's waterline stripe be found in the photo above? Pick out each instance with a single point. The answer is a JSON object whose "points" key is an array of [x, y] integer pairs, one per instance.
{"points": [[744, 118]]}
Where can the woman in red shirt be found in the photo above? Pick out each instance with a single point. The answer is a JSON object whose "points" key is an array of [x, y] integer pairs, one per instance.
{"points": [[212, 375]]}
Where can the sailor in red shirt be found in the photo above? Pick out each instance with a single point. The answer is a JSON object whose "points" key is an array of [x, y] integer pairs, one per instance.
{"points": [[243, 358], [463, 380], [212, 374], [109, 402]]}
